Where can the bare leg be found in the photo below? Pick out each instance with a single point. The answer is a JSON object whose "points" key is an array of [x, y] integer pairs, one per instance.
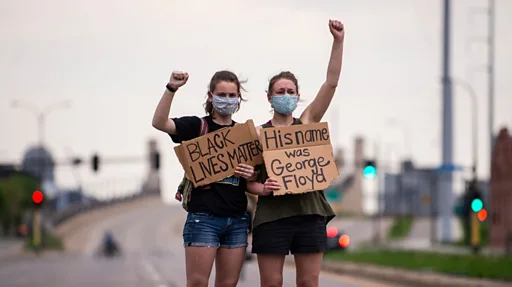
{"points": [[271, 269], [228, 266], [308, 269], [199, 263]]}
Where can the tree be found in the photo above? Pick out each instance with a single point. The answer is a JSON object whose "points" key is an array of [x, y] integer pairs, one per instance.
{"points": [[15, 197]]}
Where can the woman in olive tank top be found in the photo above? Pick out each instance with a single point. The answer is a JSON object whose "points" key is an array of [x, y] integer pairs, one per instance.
{"points": [[294, 223]]}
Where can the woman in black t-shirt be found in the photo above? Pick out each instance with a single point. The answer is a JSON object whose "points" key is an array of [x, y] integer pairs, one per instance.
{"points": [[217, 222]]}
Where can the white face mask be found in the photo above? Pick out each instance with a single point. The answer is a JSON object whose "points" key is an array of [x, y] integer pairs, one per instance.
{"points": [[225, 106]]}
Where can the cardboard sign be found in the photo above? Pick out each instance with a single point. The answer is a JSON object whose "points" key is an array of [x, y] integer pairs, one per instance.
{"points": [[215, 156], [299, 157]]}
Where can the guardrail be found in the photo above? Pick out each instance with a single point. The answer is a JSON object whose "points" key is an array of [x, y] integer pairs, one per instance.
{"points": [[55, 218]]}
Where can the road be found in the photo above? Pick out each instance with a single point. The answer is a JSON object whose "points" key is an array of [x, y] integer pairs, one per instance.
{"points": [[149, 235]]}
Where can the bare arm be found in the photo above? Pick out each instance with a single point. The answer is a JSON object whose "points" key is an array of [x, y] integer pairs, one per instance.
{"points": [[260, 189], [161, 120], [256, 188], [316, 110]]}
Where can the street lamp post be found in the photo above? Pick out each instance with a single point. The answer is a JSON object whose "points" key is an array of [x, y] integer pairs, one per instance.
{"points": [[40, 115], [474, 119]]}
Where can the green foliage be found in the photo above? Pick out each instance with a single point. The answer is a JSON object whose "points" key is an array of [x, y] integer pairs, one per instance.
{"points": [[401, 227], [15, 197], [51, 242]]}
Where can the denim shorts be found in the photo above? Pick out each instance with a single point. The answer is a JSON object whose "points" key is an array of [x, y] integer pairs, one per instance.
{"points": [[205, 230]]}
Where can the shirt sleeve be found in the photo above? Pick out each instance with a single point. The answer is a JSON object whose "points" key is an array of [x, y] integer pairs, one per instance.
{"points": [[187, 128]]}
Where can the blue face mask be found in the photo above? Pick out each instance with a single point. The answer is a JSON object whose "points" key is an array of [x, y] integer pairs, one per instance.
{"points": [[284, 104], [225, 106]]}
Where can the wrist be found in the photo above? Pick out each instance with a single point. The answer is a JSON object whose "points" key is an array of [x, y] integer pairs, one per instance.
{"points": [[263, 191], [338, 41], [171, 88]]}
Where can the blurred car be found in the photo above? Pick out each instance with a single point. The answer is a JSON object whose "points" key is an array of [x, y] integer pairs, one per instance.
{"points": [[337, 240]]}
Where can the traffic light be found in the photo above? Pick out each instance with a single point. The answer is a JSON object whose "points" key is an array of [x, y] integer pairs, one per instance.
{"points": [[477, 215], [370, 169], [156, 160], [476, 205], [37, 198], [95, 163]]}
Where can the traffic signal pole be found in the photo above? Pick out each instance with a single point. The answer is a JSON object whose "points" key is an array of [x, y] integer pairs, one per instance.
{"points": [[97, 161], [475, 233], [36, 228], [37, 200]]}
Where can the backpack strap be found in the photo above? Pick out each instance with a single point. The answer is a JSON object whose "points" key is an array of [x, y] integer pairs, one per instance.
{"points": [[185, 188], [204, 127]]}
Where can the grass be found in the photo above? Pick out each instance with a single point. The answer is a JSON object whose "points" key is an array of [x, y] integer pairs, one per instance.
{"points": [[401, 227], [51, 242], [477, 266]]}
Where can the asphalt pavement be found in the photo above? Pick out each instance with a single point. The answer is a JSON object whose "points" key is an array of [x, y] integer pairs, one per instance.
{"points": [[150, 237]]}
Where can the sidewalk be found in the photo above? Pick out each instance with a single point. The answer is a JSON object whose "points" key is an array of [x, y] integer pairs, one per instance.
{"points": [[419, 239]]}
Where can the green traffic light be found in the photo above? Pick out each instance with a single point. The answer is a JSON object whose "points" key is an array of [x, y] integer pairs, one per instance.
{"points": [[369, 171], [477, 205]]}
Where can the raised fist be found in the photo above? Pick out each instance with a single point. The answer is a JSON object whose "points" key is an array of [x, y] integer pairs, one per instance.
{"points": [[178, 79], [337, 29]]}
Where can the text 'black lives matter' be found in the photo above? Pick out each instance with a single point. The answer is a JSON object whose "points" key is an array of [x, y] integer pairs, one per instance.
{"points": [[215, 156]]}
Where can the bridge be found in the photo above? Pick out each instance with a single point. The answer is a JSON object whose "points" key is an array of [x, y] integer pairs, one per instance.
{"points": [[149, 233]]}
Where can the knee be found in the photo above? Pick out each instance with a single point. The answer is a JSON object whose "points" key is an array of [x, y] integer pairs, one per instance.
{"points": [[308, 281], [226, 282], [272, 281], [197, 281]]}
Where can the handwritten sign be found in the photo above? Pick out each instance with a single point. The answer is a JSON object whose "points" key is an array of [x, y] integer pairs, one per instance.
{"points": [[215, 156], [299, 157]]}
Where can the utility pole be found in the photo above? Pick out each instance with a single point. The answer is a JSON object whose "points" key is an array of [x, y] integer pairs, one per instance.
{"points": [[447, 127], [491, 71], [489, 41]]}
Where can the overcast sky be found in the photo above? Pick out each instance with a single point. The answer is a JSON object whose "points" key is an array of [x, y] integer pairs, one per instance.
{"points": [[112, 58]]}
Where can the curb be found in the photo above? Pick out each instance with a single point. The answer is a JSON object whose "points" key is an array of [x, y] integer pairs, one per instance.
{"points": [[404, 277]]}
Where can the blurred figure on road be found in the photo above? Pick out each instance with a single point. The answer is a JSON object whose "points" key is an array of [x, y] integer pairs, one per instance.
{"points": [[294, 223], [217, 221], [110, 247]]}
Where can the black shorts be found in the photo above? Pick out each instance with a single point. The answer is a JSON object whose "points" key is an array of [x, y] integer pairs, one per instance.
{"points": [[297, 234]]}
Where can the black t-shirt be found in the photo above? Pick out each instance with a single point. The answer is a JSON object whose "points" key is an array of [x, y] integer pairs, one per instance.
{"points": [[223, 198]]}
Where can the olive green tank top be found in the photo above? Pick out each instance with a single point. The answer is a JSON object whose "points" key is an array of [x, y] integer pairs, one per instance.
{"points": [[271, 208]]}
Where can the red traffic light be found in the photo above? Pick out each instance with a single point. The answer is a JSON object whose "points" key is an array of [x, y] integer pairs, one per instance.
{"points": [[482, 215], [344, 241], [37, 197], [332, 232]]}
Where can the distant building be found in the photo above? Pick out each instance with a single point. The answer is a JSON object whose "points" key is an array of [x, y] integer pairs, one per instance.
{"points": [[411, 192], [349, 184], [39, 162], [501, 192]]}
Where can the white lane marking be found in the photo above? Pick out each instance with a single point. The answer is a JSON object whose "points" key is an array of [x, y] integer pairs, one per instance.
{"points": [[152, 273]]}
